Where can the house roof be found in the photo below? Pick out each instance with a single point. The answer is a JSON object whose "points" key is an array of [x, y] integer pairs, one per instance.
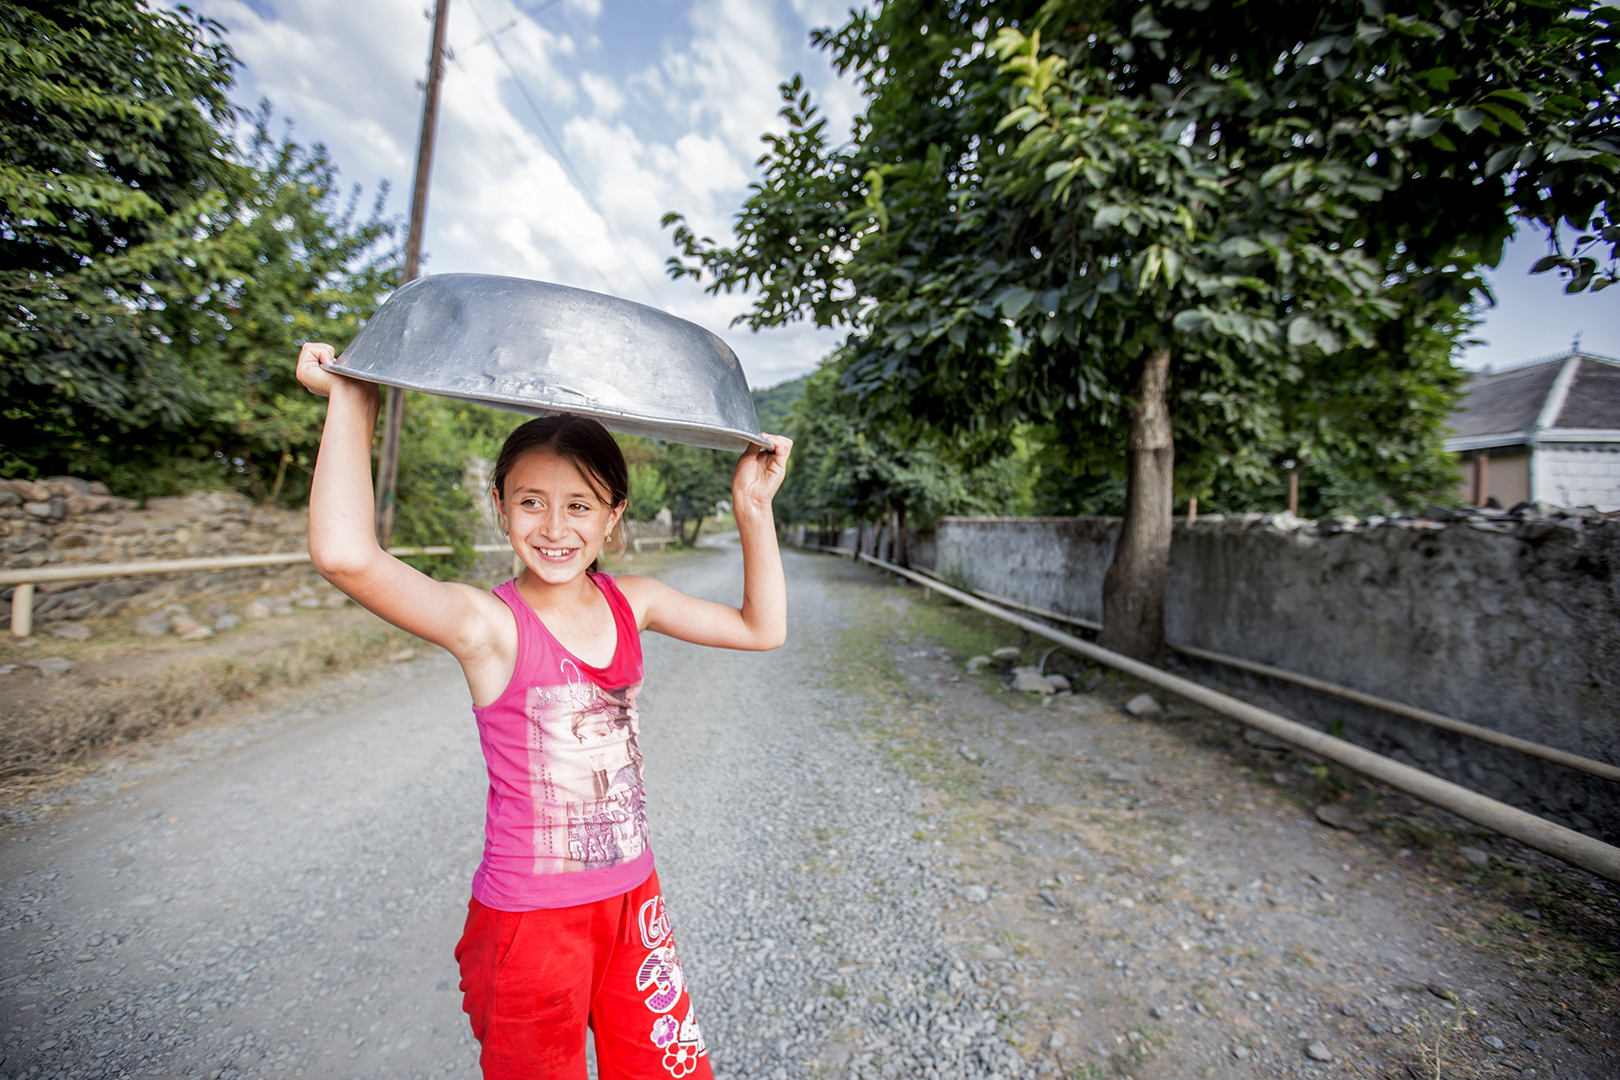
{"points": [[1594, 397], [1569, 398]]}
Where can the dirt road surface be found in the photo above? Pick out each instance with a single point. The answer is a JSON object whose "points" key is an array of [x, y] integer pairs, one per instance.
{"points": [[876, 865]]}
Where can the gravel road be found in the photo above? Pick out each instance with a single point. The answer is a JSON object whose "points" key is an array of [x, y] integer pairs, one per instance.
{"points": [[875, 866], [282, 897]]}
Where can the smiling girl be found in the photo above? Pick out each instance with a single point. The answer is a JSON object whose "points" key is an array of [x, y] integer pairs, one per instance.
{"points": [[566, 928]]}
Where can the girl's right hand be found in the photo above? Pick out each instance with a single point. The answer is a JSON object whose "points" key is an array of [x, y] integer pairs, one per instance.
{"points": [[316, 379]]}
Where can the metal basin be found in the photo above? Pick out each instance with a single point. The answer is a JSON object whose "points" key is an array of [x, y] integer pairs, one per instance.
{"points": [[541, 349]]}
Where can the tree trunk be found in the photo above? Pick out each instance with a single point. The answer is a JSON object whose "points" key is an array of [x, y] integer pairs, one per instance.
{"points": [[1133, 588], [902, 550]]}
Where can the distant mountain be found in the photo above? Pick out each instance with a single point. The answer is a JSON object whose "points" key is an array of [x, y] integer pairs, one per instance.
{"points": [[772, 404]]}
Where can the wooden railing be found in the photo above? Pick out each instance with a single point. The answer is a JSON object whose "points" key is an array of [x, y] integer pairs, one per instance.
{"points": [[22, 599]]}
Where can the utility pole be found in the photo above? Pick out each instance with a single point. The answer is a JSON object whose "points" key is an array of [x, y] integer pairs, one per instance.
{"points": [[394, 415]]}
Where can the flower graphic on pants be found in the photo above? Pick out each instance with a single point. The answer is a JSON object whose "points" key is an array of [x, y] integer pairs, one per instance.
{"points": [[664, 1031], [681, 1059], [681, 1056]]}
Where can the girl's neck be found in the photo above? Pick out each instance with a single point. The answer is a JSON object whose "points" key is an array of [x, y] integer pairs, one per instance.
{"points": [[542, 596]]}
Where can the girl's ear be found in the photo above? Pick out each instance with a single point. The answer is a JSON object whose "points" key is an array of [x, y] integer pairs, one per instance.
{"points": [[500, 509]]}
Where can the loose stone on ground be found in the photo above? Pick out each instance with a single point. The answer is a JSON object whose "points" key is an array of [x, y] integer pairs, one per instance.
{"points": [[876, 868]]}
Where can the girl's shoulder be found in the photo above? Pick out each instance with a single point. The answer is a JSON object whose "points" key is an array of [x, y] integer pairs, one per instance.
{"points": [[635, 583], [495, 608], [631, 586], [640, 592]]}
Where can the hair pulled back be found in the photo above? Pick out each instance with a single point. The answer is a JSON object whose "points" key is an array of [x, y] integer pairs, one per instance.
{"points": [[581, 441]]}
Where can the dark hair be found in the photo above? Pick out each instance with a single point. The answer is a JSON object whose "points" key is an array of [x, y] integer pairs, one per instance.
{"points": [[583, 442]]}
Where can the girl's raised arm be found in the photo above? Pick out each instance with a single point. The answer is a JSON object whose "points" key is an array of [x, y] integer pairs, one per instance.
{"points": [[342, 537], [761, 621]]}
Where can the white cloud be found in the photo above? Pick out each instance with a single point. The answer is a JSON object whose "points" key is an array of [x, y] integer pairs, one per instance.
{"points": [[676, 129], [603, 94]]}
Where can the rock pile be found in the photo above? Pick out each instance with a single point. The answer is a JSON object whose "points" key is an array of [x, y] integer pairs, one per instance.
{"points": [[1524, 519], [64, 521], [178, 619]]}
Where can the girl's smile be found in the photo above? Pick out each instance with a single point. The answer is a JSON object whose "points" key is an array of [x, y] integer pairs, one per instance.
{"points": [[554, 515]]}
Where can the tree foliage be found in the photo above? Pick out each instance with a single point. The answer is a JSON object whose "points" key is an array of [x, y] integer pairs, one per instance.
{"points": [[695, 480], [285, 259], [1296, 199], [845, 471], [113, 117], [1282, 206], [648, 493], [159, 277]]}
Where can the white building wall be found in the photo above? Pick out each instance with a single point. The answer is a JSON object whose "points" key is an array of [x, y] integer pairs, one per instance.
{"points": [[1578, 476]]}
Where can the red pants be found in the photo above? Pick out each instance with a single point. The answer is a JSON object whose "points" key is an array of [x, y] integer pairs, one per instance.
{"points": [[533, 981]]}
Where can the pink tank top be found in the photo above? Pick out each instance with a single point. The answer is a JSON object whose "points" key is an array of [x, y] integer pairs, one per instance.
{"points": [[566, 821]]}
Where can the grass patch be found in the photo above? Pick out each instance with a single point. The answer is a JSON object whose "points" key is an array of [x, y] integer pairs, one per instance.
{"points": [[75, 729], [926, 733]]}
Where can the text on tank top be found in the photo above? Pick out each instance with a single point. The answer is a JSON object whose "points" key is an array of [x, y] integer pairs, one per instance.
{"points": [[566, 820]]}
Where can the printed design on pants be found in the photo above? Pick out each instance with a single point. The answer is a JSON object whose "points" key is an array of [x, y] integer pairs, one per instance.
{"points": [[661, 971], [654, 922], [682, 1045]]}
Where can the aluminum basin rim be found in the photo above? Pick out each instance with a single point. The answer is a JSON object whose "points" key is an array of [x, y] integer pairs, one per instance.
{"points": [[526, 403]]}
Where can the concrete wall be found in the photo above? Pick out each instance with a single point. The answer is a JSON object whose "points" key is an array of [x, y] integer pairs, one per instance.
{"points": [[1514, 626], [1579, 475], [917, 549]]}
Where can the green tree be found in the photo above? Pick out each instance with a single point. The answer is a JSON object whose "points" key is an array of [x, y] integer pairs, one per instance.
{"points": [[159, 279], [845, 471], [695, 480], [1199, 236], [648, 492], [113, 118], [773, 403], [287, 260], [294, 261]]}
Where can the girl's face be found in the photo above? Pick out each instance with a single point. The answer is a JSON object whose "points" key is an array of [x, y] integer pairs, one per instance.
{"points": [[554, 517]]}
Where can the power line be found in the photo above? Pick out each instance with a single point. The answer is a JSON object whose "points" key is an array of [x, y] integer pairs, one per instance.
{"points": [[562, 155], [517, 154]]}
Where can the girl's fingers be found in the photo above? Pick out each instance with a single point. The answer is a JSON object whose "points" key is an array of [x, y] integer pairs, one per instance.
{"points": [[761, 470], [316, 379], [781, 447]]}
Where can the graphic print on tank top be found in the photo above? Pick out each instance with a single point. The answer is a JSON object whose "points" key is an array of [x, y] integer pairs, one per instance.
{"points": [[585, 773]]}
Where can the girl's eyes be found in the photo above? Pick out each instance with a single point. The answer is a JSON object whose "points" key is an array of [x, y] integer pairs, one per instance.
{"points": [[535, 504]]}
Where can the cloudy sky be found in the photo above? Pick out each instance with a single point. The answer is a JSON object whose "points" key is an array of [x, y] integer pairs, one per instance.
{"points": [[658, 105]]}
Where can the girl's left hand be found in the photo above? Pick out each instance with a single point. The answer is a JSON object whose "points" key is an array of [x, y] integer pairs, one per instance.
{"points": [[759, 474]]}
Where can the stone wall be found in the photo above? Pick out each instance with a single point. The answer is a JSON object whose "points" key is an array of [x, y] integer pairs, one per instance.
{"points": [[1509, 623], [65, 521], [917, 548]]}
